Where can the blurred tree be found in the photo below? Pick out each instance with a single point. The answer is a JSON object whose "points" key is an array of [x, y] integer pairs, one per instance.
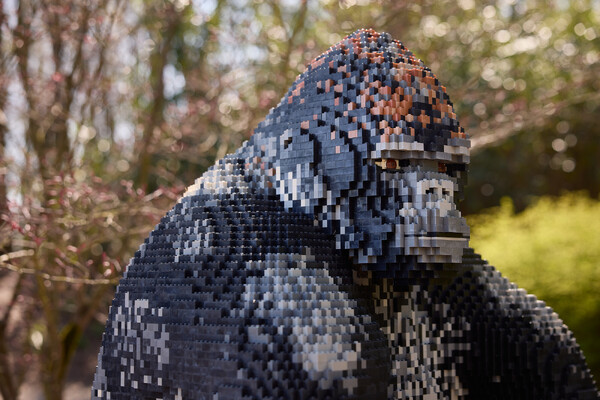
{"points": [[72, 248], [121, 104], [66, 235]]}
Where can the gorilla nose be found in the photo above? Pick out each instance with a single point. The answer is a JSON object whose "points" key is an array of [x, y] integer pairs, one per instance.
{"points": [[434, 194]]}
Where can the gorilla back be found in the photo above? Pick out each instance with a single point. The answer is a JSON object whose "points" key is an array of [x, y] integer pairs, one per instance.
{"points": [[326, 258]]}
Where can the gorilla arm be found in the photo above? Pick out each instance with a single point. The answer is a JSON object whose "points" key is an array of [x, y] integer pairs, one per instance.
{"points": [[514, 339]]}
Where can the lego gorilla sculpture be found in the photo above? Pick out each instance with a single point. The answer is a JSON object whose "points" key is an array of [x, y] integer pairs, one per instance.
{"points": [[326, 259]]}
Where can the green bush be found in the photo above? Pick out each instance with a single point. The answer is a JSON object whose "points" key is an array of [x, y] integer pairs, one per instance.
{"points": [[552, 249]]}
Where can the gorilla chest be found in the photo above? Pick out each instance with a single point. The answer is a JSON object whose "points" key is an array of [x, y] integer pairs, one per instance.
{"points": [[425, 342]]}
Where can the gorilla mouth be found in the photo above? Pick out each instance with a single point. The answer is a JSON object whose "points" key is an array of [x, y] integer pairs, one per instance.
{"points": [[445, 234], [454, 235]]}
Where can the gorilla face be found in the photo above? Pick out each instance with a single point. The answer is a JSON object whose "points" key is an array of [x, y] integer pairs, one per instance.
{"points": [[410, 209], [367, 142], [385, 199]]}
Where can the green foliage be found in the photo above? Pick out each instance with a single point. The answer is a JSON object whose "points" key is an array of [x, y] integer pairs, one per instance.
{"points": [[552, 249]]}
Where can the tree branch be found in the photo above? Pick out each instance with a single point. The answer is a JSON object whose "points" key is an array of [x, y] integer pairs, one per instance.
{"points": [[54, 278], [158, 64]]}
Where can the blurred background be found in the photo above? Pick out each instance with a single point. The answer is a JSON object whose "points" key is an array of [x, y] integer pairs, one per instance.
{"points": [[108, 109]]}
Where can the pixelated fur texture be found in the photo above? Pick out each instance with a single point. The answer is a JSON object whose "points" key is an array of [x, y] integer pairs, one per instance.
{"points": [[326, 259]]}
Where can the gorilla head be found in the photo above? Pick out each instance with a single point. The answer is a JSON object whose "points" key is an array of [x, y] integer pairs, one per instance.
{"points": [[367, 142]]}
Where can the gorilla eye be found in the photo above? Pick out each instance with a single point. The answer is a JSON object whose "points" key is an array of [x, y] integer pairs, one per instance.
{"points": [[390, 163], [442, 167]]}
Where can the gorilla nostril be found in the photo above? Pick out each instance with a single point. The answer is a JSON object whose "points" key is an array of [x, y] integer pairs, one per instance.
{"points": [[287, 142]]}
